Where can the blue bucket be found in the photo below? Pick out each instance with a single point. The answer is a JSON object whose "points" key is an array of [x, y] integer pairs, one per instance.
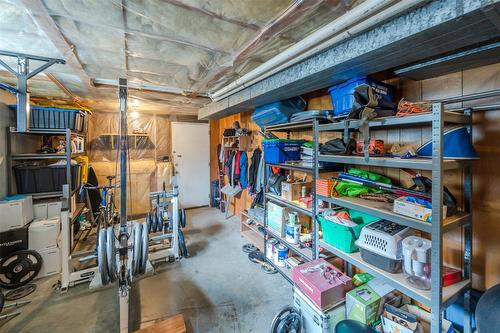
{"points": [[457, 145]]}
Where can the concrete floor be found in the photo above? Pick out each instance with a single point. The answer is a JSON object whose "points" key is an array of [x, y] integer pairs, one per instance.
{"points": [[217, 289]]}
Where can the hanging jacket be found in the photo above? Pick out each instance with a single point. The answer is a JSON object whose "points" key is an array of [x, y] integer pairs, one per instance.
{"points": [[231, 177], [243, 170], [229, 165], [236, 176], [254, 168]]}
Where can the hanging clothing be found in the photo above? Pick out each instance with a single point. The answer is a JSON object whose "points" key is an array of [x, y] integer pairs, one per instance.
{"points": [[261, 181], [243, 170], [237, 167], [231, 177], [254, 168], [228, 165]]}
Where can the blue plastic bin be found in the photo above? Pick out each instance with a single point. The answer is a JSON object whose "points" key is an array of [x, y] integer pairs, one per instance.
{"points": [[278, 112], [280, 151], [56, 118], [342, 95]]}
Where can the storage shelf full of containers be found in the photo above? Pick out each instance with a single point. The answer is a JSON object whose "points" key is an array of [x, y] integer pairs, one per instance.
{"points": [[438, 297]]}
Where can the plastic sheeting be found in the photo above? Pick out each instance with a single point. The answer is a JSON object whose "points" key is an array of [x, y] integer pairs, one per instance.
{"points": [[149, 151], [194, 45]]}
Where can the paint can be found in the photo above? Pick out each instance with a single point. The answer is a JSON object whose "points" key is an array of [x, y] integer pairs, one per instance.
{"points": [[281, 255], [292, 235], [271, 248]]}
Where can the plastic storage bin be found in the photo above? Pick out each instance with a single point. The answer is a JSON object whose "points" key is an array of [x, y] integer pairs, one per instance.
{"points": [[277, 112], [56, 118], [41, 179], [280, 151], [342, 95], [343, 237]]}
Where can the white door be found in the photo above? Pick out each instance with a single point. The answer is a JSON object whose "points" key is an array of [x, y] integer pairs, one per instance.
{"points": [[191, 158]]}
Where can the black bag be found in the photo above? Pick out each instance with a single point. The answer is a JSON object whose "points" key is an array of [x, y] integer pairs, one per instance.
{"points": [[274, 183], [337, 147]]}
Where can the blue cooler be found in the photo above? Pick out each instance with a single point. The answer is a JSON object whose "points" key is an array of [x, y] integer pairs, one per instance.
{"points": [[342, 95], [277, 112]]}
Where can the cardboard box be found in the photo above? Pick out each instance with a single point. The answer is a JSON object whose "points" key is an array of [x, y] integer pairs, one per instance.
{"points": [[416, 211], [365, 303], [13, 240], [324, 289], [16, 211], [43, 234], [293, 191], [51, 262], [315, 320], [409, 319], [276, 218]]}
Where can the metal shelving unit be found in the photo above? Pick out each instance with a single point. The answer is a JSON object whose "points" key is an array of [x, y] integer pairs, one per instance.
{"points": [[438, 297], [303, 252], [11, 158]]}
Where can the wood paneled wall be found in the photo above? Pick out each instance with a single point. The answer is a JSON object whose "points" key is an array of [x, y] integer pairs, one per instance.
{"points": [[486, 179]]}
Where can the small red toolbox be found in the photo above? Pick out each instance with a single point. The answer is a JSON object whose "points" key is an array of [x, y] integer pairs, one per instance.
{"points": [[321, 282]]}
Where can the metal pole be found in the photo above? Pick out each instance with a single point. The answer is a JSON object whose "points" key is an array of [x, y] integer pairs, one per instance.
{"points": [[315, 226], [467, 231], [68, 168], [437, 217], [23, 117], [123, 289]]}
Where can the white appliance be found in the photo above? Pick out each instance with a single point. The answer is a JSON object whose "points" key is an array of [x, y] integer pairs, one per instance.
{"points": [[43, 234], [313, 319], [417, 261], [16, 213], [51, 262]]}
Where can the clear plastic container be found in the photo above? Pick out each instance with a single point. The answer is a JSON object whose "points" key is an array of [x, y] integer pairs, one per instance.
{"points": [[417, 261]]}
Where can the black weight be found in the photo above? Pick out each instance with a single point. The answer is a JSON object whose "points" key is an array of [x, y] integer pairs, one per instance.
{"points": [[2, 301], [148, 221], [154, 221], [287, 320], [20, 292], [247, 248], [256, 257], [182, 245], [159, 224], [268, 269], [182, 217], [19, 268]]}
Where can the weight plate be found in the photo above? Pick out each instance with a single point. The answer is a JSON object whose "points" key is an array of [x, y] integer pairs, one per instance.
{"points": [[247, 248], [136, 259], [145, 248], [256, 257], [159, 225], [19, 268], [20, 292], [111, 254], [154, 221], [148, 221], [287, 320], [101, 257], [182, 217], [182, 245], [2, 301], [268, 269]]}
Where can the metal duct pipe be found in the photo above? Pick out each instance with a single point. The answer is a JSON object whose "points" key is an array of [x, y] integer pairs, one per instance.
{"points": [[368, 14]]}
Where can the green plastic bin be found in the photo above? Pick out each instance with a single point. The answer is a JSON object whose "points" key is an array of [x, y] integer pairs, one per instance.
{"points": [[343, 237]]}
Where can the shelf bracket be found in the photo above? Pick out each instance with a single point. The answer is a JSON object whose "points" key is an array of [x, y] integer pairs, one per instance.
{"points": [[23, 74]]}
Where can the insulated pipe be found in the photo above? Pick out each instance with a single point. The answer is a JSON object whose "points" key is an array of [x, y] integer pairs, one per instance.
{"points": [[296, 53]]}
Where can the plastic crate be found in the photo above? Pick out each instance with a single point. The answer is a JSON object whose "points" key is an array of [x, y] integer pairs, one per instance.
{"points": [[280, 151], [40, 179], [343, 237], [277, 112], [56, 118], [342, 95]]}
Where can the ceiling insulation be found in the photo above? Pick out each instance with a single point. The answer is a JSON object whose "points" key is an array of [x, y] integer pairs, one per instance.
{"points": [[193, 45]]}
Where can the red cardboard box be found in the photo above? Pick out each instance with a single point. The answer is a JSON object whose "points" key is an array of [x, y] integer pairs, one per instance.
{"points": [[323, 283]]}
